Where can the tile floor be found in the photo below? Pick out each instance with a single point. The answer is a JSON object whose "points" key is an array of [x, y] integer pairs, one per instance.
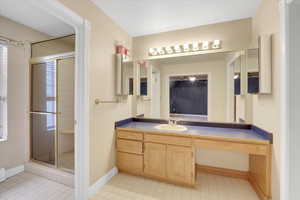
{"points": [[209, 187], [26, 186]]}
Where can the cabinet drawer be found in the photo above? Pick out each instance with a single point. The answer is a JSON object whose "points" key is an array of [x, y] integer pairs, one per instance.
{"points": [[182, 141], [131, 163], [130, 135], [130, 146]]}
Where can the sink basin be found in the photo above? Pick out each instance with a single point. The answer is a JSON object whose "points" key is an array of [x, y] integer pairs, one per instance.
{"points": [[168, 127]]}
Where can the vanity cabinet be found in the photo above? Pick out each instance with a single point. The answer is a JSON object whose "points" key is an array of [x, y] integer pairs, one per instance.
{"points": [[167, 158], [170, 157]]}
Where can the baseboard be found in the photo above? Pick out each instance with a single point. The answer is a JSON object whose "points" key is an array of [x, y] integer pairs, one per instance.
{"points": [[14, 171], [102, 181], [223, 172], [7, 173]]}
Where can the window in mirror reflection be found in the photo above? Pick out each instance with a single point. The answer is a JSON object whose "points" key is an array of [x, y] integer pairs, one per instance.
{"points": [[188, 95], [253, 82], [130, 86], [143, 86]]}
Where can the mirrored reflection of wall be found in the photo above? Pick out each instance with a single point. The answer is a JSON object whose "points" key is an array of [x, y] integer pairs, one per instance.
{"points": [[212, 65]]}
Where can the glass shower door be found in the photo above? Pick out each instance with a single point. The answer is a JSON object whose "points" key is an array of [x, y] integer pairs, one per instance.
{"points": [[65, 108], [43, 112]]}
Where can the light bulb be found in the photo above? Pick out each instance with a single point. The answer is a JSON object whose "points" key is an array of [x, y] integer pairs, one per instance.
{"points": [[186, 47], [195, 46], [192, 78], [161, 51], [152, 52], [205, 45], [169, 50], [177, 48], [216, 44]]}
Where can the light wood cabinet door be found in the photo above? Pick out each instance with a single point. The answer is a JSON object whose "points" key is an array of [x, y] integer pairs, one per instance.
{"points": [[180, 164], [155, 160]]}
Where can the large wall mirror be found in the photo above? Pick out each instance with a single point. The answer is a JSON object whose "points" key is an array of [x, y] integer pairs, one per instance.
{"points": [[198, 87]]}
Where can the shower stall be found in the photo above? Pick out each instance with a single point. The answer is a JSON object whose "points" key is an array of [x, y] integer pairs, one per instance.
{"points": [[52, 107]]}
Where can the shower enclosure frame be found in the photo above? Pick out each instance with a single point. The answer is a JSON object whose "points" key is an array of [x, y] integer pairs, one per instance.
{"points": [[41, 60]]}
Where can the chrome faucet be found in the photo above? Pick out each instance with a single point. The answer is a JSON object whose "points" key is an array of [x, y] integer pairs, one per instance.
{"points": [[172, 121]]}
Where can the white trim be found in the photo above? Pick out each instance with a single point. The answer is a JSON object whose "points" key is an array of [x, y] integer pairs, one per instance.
{"points": [[209, 90], [93, 189], [82, 30], [289, 145], [7, 173], [230, 87], [284, 172], [3, 92], [14, 171]]}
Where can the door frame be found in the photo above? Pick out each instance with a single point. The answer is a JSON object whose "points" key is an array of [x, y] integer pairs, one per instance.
{"points": [[289, 111], [82, 29], [209, 89]]}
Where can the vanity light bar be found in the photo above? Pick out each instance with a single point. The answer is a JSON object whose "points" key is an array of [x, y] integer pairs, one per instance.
{"points": [[187, 47]]}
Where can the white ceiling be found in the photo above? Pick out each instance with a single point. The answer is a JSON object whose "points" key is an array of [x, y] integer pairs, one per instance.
{"points": [[142, 17], [25, 13]]}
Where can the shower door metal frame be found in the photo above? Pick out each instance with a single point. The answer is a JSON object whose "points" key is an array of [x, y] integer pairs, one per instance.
{"points": [[41, 60]]}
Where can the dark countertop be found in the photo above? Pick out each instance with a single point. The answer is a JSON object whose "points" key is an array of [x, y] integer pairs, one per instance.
{"points": [[201, 131]]}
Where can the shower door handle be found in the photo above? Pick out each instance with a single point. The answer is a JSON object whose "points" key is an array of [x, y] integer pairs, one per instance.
{"points": [[44, 113]]}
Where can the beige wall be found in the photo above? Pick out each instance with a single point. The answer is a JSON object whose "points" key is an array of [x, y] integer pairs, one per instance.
{"points": [[14, 151], [235, 35], [266, 107], [104, 34]]}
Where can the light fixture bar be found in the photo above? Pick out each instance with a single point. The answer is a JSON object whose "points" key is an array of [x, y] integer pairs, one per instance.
{"points": [[185, 48]]}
